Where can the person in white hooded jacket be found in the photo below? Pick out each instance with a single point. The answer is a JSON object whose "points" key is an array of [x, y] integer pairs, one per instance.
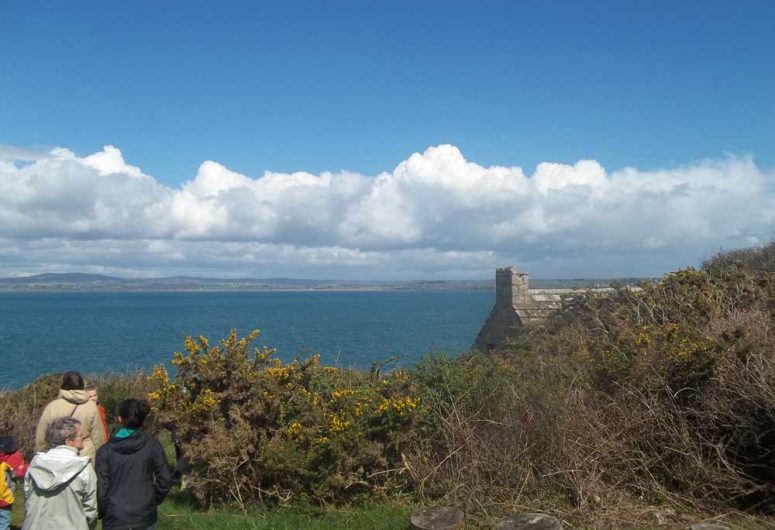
{"points": [[60, 488]]}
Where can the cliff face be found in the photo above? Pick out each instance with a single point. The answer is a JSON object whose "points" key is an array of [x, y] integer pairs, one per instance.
{"points": [[516, 306]]}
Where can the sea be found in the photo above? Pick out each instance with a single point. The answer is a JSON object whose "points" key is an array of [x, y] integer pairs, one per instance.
{"points": [[121, 332]]}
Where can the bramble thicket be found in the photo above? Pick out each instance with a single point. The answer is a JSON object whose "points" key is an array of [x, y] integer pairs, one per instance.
{"points": [[662, 395]]}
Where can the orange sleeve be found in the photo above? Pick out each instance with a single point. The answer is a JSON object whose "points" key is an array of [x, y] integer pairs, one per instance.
{"points": [[104, 421]]}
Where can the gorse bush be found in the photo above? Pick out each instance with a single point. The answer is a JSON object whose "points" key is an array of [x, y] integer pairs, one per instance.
{"points": [[253, 428]]}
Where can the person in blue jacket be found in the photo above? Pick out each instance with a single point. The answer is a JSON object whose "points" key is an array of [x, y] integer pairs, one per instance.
{"points": [[133, 477]]}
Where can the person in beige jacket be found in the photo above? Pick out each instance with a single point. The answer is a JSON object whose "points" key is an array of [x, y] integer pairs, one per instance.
{"points": [[73, 402]]}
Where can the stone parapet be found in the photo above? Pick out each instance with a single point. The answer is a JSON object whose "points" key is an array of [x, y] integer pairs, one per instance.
{"points": [[516, 306]]}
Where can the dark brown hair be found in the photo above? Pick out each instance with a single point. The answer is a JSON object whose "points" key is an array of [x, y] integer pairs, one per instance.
{"points": [[133, 412], [72, 381]]}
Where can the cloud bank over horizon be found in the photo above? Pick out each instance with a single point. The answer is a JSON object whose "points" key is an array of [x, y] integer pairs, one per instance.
{"points": [[436, 215]]}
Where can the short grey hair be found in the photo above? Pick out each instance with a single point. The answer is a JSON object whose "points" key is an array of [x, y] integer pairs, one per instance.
{"points": [[60, 430]]}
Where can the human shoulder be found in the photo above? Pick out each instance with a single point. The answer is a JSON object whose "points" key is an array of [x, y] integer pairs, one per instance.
{"points": [[91, 407], [48, 410], [54, 403], [86, 412]]}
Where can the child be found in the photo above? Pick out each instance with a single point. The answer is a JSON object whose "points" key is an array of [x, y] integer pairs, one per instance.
{"points": [[92, 392], [12, 466]]}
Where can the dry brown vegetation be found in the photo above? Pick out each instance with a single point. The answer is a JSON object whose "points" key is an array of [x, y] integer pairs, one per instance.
{"points": [[661, 398], [20, 409]]}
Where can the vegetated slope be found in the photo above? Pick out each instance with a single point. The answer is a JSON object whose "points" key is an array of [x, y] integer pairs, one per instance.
{"points": [[663, 394]]}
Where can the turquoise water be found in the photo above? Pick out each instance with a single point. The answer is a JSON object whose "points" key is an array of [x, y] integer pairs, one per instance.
{"points": [[109, 332]]}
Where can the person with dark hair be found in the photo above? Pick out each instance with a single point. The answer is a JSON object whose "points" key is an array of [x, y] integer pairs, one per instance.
{"points": [[12, 467], [133, 476], [60, 489], [73, 402], [72, 381]]}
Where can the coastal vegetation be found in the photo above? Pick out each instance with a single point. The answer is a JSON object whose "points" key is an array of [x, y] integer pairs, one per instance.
{"points": [[643, 407], [256, 429]]}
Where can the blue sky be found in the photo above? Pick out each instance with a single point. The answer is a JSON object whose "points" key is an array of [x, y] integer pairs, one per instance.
{"points": [[360, 86]]}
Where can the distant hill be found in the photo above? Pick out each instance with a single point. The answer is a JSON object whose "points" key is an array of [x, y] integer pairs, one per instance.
{"points": [[68, 277], [74, 281], [99, 282]]}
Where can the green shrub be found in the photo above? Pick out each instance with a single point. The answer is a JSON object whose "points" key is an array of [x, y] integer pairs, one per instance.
{"points": [[255, 429]]}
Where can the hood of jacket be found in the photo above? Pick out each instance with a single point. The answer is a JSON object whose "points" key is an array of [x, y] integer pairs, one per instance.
{"points": [[8, 444], [129, 445], [56, 467], [79, 397]]}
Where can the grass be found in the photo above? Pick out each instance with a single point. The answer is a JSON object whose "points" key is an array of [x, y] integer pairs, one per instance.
{"points": [[177, 514]]}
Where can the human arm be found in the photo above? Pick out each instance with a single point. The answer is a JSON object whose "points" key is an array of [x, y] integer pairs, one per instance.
{"points": [[103, 480], [27, 493], [17, 463], [96, 430], [40, 431], [161, 473], [89, 495], [104, 419]]}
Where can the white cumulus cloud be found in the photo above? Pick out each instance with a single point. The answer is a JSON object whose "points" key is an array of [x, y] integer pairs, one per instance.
{"points": [[435, 215]]}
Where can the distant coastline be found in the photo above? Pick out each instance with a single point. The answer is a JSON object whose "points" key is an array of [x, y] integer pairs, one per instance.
{"points": [[79, 282]]}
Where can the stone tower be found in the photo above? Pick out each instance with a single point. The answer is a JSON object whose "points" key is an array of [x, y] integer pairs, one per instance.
{"points": [[514, 308]]}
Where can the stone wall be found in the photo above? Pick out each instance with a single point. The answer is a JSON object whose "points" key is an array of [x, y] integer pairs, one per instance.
{"points": [[516, 306]]}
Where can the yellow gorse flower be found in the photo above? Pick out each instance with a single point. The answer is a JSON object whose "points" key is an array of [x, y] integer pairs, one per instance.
{"points": [[342, 393], [281, 372], [400, 405], [294, 429], [337, 423], [205, 402]]}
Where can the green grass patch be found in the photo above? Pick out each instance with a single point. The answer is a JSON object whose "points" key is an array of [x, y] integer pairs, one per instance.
{"points": [[177, 513]]}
